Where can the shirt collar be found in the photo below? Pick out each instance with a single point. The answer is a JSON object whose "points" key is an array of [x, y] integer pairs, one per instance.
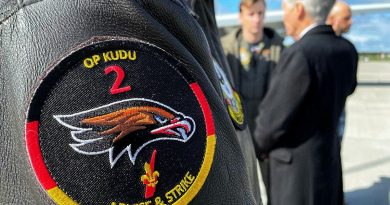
{"points": [[307, 29]]}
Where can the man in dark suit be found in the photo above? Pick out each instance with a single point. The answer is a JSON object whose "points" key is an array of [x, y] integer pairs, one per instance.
{"points": [[340, 18], [298, 117]]}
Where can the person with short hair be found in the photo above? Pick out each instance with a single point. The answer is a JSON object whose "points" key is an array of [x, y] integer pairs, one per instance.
{"points": [[340, 17], [252, 51], [298, 117]]}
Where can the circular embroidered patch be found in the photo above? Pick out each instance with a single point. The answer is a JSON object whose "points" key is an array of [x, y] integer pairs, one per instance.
{"points": [[120, 122], [232, 98]]}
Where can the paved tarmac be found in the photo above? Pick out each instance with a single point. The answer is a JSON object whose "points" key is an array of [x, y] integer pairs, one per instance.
{"points": [[366, 144]]}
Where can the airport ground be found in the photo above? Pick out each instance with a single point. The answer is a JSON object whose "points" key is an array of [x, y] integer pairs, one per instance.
{"points": [[366, 146]]}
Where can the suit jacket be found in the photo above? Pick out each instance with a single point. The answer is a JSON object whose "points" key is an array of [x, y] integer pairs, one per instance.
{"points": [[299, 115]]}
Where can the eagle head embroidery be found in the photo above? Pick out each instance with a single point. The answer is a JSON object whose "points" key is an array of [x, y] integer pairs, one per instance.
{"points": [[127, 125]]}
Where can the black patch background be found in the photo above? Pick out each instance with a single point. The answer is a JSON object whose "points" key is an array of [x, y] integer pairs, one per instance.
{"points": [[71, 88]]}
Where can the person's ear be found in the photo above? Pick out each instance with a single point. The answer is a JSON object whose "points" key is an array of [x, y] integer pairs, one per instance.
{"points": [[300, 11], [330, 20]]}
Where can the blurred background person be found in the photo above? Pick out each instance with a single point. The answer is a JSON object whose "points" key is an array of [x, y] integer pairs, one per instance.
{"points": [[340, 18], [298, 117], [252, 52]]}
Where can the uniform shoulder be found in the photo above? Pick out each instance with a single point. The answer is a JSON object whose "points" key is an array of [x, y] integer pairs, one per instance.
{"points": [[228, 40]]}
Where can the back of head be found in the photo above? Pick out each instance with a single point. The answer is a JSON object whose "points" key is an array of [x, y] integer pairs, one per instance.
{"points": [[340, 17], [317, 9]]}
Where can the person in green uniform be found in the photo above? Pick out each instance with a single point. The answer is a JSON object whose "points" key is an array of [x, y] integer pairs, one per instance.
{"points": [[252, 51]]}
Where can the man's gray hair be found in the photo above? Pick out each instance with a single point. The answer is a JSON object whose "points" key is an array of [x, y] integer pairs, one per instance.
{"points": [[317, 9]]}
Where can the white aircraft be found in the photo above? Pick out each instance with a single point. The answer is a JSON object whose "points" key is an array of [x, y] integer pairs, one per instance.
{"points": [[275, 18]]}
